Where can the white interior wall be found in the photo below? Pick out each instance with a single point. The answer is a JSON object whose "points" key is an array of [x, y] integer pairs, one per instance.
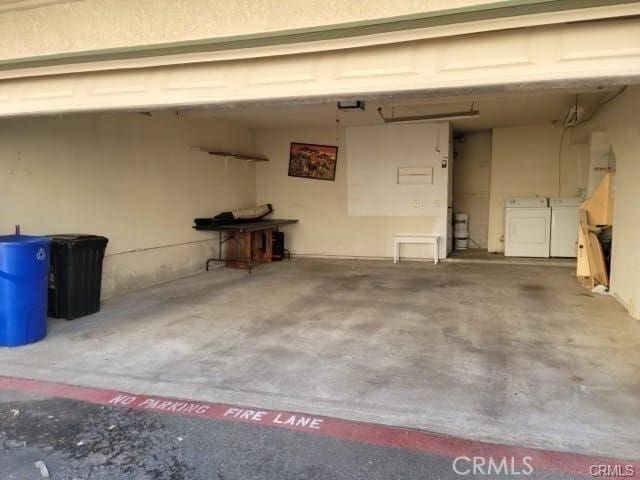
{"points": [[525, 163], [377, 159], [65, 174], [377, 153], [471, 184], [600, 159], [621, 121], [325, 228], [129, 177]]}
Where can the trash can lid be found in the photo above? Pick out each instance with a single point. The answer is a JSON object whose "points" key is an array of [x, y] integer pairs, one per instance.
{"points": [[22, 239], [72, 238]]}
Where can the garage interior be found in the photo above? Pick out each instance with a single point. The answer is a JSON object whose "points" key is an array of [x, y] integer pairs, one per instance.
{"points": [[129, 120], [490, 350]]}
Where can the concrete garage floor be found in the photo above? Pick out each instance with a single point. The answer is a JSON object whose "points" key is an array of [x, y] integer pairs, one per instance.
{"points": [[503, 353]]}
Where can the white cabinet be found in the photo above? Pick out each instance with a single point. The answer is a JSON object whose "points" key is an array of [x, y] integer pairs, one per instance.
{"points": [[402, 172], [564, 226]]}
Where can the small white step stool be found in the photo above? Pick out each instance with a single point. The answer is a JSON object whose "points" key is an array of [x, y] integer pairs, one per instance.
{"points": [[428, 239]]}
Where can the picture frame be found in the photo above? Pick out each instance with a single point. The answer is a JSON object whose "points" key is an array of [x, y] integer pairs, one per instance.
{"points": [[313, 161]]}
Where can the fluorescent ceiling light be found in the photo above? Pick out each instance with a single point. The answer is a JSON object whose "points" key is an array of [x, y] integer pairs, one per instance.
{"points": [[471, 113]]}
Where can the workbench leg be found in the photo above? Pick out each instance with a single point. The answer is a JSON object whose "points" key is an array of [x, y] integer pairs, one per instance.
{"points": [[236, 247], [268, 238], [246, 249], [261, 246]]}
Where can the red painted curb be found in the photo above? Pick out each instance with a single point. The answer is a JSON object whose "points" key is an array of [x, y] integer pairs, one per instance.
{"points": [[404, 438]]}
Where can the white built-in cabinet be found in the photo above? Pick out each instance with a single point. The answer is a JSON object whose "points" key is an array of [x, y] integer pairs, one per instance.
{"points": [[403, 171]]}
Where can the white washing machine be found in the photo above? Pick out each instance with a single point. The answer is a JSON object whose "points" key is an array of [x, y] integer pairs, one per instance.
{"points": [[527, 227], [564, 226]]}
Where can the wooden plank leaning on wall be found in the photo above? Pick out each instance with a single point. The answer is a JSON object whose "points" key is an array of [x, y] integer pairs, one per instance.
{"points": [[596, 213]]}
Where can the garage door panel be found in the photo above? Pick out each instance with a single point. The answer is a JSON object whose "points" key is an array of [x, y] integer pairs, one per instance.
{"points": [[600, 41], [382, 61], [485, 51], [282, 70], [479, 60]]}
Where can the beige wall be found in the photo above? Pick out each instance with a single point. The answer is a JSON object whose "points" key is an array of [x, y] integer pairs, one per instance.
{"points": [[128, 177], [525, 163], [621, 121], [471, 183], [321, 206], [98, 24]]}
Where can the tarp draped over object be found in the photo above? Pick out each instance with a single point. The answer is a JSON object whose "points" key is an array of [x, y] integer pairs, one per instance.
{"points": [[236, 216]]}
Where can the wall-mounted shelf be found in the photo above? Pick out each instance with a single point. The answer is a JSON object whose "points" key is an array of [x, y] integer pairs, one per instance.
{"points": [[239, 156]]}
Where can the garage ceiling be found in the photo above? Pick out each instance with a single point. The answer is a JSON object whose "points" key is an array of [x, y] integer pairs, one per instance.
{"points": [[495, 111]]}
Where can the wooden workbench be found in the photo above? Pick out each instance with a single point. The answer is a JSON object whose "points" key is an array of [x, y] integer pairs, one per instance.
{"points": [[248, 243]]}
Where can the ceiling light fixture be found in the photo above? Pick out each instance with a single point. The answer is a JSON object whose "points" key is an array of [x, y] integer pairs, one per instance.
{"points": [[471, 113]]}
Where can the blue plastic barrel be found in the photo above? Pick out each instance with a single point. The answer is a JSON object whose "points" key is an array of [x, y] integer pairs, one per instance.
{"points": [[24, 271]]}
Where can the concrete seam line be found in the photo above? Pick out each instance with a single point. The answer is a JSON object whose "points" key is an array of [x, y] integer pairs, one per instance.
{"points": [[371, 433], [158, 247]]}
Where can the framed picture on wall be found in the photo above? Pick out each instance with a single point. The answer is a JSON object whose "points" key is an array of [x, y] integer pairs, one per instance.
{"points": [[313, 161]]}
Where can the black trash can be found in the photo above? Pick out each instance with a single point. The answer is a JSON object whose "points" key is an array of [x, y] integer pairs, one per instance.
{"points": [[75, 277], [277, 251]]}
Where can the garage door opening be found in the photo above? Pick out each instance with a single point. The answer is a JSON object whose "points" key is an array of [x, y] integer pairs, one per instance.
{"points": [[483, 346]]}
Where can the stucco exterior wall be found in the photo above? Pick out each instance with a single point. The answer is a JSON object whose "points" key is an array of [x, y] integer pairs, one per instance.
{"points": [[97, 24]]}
